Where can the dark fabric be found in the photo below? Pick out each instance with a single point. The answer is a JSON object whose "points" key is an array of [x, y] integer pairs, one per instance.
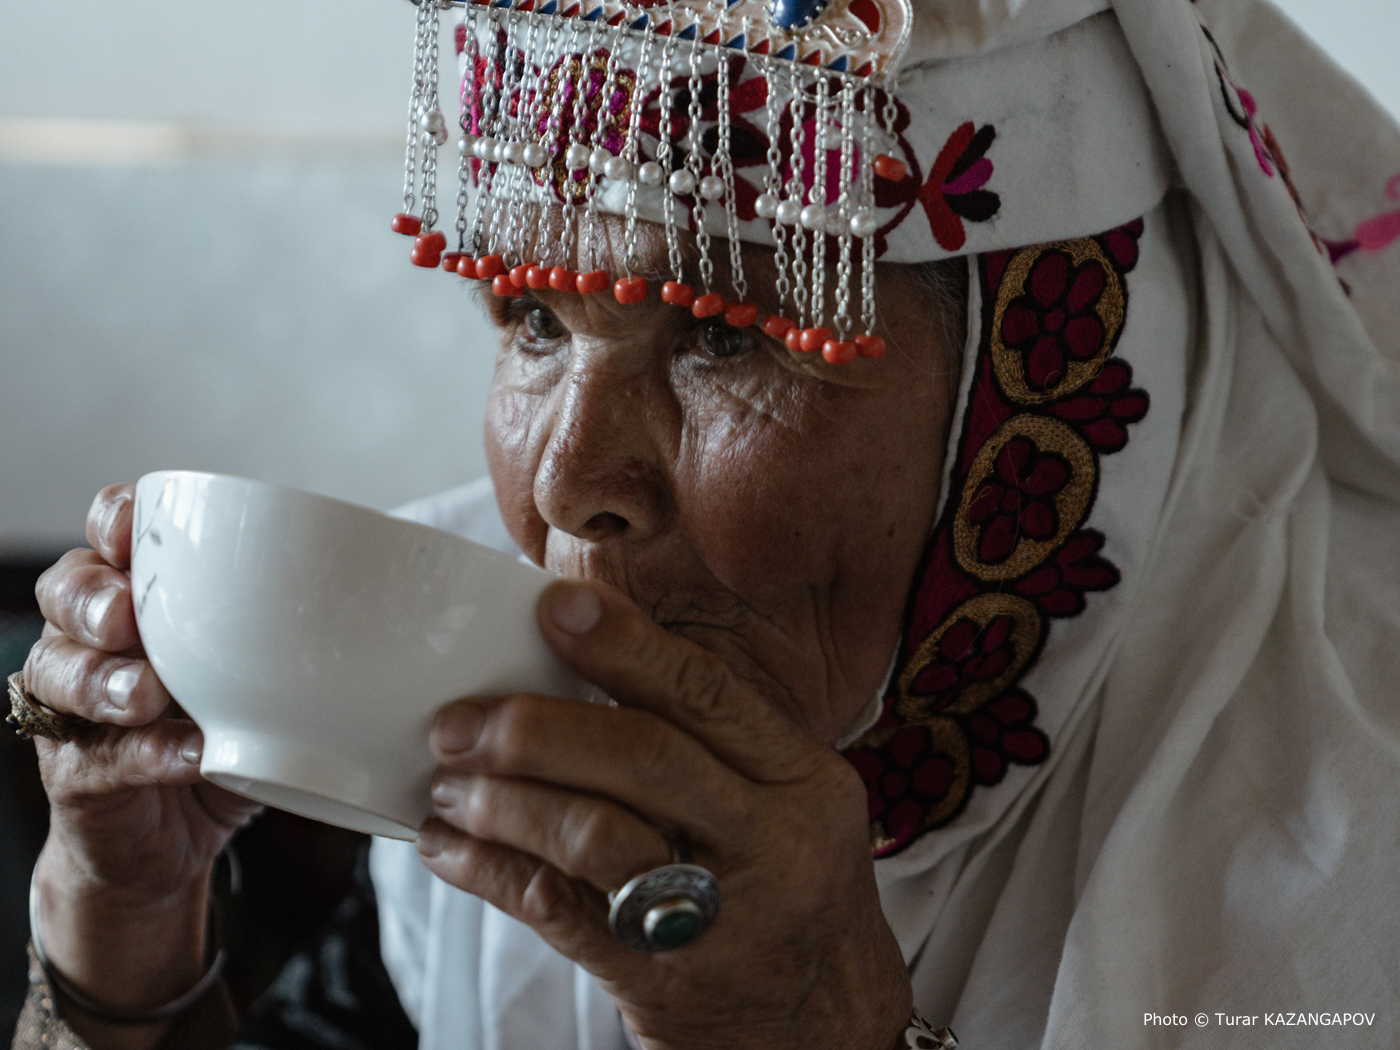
{"points": [[334, 994]]}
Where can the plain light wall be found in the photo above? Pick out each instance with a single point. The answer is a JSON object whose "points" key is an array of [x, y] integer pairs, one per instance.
{"points": [[245, 311], [251, 313], [292, 63], [1362, 36]]}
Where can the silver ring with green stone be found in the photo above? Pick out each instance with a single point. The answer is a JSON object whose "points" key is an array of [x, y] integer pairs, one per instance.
{"points": [[665, 908]]}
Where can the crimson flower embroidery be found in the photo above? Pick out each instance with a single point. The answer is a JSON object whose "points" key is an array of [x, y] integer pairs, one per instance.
{"points": [[911, 772], [1001, 732], [912, 775], [1102, 410], [967, 654], [1055, 322], [1058, 586], [1018, 499]]}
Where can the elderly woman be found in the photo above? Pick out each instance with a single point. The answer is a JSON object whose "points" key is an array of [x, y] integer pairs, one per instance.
{"points": [[1037, 673]]}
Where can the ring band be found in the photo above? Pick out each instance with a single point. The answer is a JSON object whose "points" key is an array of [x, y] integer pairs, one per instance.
{"points": [[32, 718], [665, 908]]}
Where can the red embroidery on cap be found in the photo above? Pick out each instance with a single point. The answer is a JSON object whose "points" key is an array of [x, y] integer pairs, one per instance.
{"points": [[954, 190]]}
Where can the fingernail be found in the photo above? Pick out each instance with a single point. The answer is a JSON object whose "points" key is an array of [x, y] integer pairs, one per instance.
{"points": [[431, 839], [109, 518], [575, 608], [446, 793], [193, 749], [97, 608], [121, 683], [459, 728]]}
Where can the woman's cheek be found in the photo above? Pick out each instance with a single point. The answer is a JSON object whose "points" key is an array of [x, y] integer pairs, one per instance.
{"points": [[759, 518], [511, 420]]}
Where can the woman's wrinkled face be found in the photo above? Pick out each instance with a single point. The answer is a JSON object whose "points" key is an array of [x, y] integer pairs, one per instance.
{"points": [[768, 506]]}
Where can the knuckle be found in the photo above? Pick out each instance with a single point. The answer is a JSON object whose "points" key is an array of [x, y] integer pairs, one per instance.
{"points": [[38, 663], [139, 751], [653, 750], [547, 898], [700, 684], [589, 835], [75, 589], [85, 673], [61, 674], [478, 806], [516, 730], [55, 584]]}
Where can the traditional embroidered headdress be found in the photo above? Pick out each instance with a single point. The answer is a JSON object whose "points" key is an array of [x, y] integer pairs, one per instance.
{"points": [[648, 110], [817, 127]]}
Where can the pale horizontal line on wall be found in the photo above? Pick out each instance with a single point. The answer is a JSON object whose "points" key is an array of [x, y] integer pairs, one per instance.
{"points": [[52, 140]]}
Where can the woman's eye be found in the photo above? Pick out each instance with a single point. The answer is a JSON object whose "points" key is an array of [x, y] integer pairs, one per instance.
{"points": [[722, 340], [542, 324]]}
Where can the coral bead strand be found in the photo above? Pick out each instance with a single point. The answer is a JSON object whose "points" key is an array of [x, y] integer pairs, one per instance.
{"points": [[677, 294], [740, 314], [630, 290]]}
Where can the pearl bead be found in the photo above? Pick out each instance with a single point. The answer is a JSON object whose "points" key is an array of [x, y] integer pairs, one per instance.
{"points": [[788, 213], [863, 223], [598, 160], [766, 205], [576, 156], [483, 146], [712, 187], [617, 168], [465, 144], [498, 151], [682, 181], [433, 122], [650, 174], [831, 138], [515, 152], [813, 217], [835, 225], [535, 155]]}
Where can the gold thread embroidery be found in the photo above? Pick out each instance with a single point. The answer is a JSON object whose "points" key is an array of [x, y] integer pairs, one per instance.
{"points": [[601, 109], [1071, 502], [947, 739], [1111, 309], [949, 732], [981, 610]]}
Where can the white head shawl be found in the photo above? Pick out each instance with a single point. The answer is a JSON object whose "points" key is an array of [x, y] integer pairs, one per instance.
{"points": [[1156, 775]]}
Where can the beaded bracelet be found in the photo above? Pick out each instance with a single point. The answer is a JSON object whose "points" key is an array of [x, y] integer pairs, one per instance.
{"points": [[96, 1010]]}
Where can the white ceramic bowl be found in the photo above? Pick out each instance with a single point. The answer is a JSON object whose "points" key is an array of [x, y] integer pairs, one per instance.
{"points": [[313, 640]]}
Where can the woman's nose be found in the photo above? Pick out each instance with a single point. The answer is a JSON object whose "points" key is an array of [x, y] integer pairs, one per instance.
{"points": [[601, 475]]}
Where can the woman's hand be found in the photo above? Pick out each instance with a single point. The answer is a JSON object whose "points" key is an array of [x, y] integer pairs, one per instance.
{"points": [[133, 829], [544, 806]]}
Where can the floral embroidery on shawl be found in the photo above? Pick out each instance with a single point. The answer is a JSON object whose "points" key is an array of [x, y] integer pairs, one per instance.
{"points": [[1010, 552], [1243, 110], [1375, 234]]}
